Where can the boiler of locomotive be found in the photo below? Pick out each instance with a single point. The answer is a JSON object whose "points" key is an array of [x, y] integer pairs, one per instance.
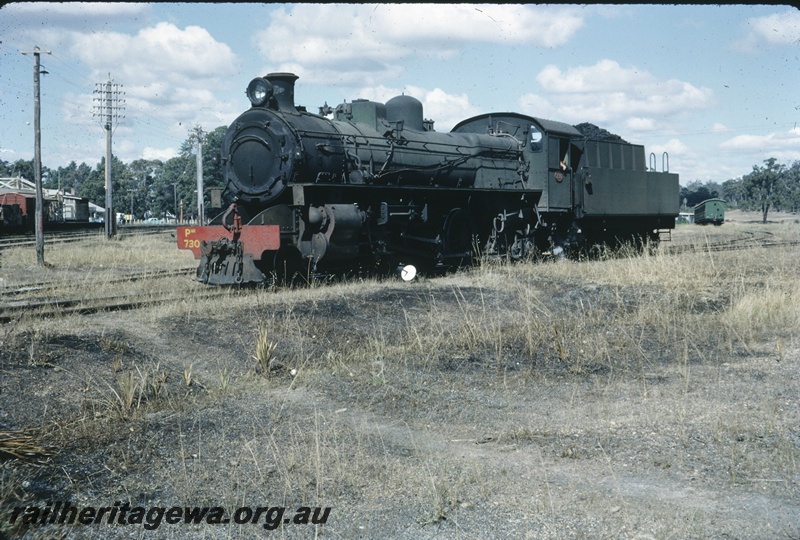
{"points": [[273, 144]]}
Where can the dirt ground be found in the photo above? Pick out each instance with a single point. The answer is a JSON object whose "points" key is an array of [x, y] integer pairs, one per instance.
{"points": [[412, 413]]}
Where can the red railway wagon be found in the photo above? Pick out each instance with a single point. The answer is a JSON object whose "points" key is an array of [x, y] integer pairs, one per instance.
{"points": [[16, 207]]}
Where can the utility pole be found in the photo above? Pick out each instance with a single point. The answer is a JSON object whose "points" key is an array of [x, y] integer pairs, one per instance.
{"points": [[175, 201], [131, 191], [197, 134], [37, 155], [109, 110]]}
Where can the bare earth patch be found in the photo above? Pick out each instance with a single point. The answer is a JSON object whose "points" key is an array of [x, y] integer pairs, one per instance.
{"points": [[639, 397]]}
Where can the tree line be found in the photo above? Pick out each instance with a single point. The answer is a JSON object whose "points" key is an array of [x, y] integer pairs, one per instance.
{"points": [[154, 188], [772, 186], [151, 188]]}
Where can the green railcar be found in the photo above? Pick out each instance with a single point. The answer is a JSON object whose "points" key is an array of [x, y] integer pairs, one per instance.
{"points": [[710, 211]]}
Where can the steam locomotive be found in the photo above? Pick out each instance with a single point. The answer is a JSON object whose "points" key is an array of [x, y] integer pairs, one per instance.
{"points": [[372, 186]]}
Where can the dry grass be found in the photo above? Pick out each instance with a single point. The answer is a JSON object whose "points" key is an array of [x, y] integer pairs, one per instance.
{"points": [[22, 444], [96, 256], [646, 395]]}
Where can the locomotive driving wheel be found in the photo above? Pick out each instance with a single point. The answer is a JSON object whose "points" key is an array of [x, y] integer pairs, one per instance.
{"points": [[457, 236], [287, 266]]}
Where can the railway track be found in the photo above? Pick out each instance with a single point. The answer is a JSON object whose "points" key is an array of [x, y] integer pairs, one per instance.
{"points": [[93, 292], [65, 237], [61, 297], [15, 310], [751, 239], [21, 240], [57, 298], [45, 286]]}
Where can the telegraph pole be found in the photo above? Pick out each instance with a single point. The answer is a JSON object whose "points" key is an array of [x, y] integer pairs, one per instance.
{"points": [[132, 191], [175, 201], [198, 136], [109, 110], [37, 155]]}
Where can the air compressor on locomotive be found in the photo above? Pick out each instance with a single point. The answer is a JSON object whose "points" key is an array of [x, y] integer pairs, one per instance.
{"points": [[375, 187]]}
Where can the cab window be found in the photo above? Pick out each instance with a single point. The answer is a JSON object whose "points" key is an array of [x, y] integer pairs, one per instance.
{"points": [[555, 151], [536, 139], [563, 154]]}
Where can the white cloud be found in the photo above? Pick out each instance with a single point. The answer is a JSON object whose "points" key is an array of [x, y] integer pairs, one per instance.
{"points": [[779, 28], [719, 127], [640, 124], [162, 53], [447, 109], [606, 92], [748, 149], [785, 143], [162, 154], [369, 42], [673, 147], [169, 75], [604, 76], [469, 23], [49, 24]]}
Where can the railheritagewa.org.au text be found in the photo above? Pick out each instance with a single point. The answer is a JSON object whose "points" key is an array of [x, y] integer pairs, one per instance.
{"points": [[151, 518]]}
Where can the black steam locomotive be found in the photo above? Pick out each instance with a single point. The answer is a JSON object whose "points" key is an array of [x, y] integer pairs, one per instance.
{"points": [[375, 187]]}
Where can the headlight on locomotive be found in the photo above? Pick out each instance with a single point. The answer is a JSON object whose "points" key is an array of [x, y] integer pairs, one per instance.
{"points": [[259, 91]]}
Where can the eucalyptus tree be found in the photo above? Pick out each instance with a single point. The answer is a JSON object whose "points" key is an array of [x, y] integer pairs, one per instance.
{"points": [[764, 187]]}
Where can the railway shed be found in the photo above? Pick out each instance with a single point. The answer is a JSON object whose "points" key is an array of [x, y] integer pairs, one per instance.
{"points": [[18, 206]]}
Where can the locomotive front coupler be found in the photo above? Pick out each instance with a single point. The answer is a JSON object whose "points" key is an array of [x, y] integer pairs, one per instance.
{"points": [[229, 253]]}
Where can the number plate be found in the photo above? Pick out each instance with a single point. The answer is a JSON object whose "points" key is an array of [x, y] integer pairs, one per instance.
{"points": [[256, 239]]}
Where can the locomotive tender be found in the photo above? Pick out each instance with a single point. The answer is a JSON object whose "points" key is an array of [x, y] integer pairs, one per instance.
{"points": [[377, 188]]}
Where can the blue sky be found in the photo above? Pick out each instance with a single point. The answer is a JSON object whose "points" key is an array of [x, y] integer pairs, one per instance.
{"points": [[714, 86]]}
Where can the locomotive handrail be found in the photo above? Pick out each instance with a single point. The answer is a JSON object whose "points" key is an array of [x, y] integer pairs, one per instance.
{"points": [[664, 162], [508, 136], [389, 157], [236, 223]]}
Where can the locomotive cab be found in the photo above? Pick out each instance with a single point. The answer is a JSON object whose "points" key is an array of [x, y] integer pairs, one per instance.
{"points": [[553, 151], [563, 155]]}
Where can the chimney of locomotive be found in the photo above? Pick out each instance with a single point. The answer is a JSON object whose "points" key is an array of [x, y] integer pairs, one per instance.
{"points": [[283, 90]]}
